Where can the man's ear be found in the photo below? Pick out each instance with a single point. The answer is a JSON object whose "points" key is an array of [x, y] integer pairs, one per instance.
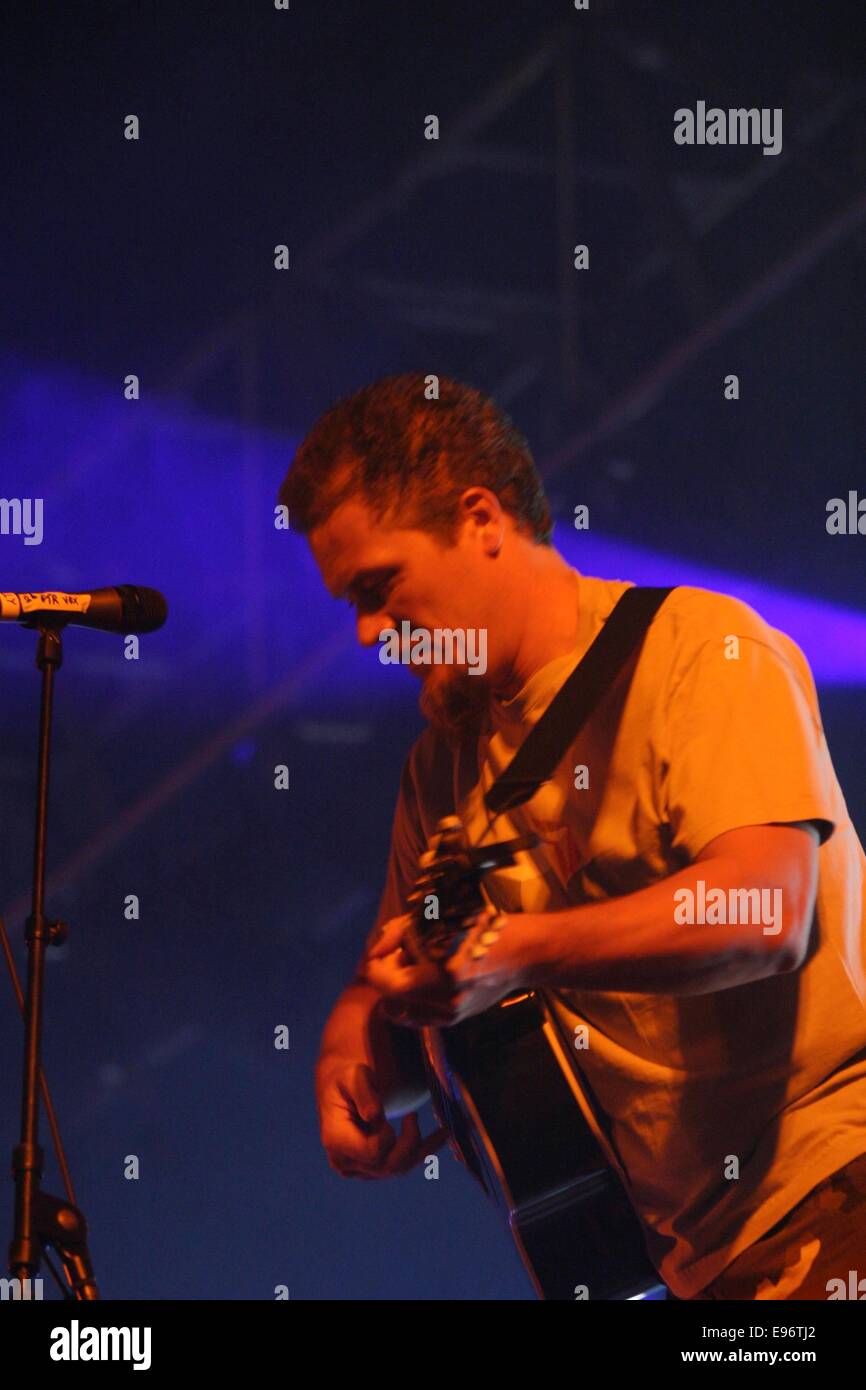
{"points": [[481, 506]]}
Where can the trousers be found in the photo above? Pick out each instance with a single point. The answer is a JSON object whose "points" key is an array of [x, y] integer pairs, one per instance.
{"points": [[817, 1250]]}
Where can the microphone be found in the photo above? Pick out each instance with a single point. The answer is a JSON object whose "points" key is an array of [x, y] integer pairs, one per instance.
{"points": [[128, 608]]}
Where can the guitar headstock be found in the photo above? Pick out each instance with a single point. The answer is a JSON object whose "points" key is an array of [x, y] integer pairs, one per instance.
{"points": [[448, 888]]}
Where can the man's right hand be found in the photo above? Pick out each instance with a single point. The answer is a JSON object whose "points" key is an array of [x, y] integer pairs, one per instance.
{"points": [[358, 1140]]}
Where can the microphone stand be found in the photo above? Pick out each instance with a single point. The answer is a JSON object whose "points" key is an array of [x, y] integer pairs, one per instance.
{"points": [[40, 1219]]}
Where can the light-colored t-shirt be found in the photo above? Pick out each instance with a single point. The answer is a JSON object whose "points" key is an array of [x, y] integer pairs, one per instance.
{"points": [[766, 1079]]}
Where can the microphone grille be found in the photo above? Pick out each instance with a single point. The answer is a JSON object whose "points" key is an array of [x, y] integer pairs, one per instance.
{"points": [[144, 610]]}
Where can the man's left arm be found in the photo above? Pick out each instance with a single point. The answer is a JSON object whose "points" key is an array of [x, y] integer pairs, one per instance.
{"points": [[637, 943], [644, 941]]}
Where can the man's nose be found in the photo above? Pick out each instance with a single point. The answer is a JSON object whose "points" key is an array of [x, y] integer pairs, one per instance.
{"points": [[369, 627]]}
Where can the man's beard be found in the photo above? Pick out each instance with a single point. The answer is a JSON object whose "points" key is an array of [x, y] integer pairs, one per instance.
{"points": [[455, 702]]}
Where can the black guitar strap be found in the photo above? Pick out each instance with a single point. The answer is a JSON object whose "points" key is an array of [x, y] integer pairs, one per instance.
{"points": [[547, 742]]}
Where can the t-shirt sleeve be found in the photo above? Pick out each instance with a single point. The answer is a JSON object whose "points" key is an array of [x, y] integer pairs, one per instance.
{"points": [[407, 843], [743, 746]]}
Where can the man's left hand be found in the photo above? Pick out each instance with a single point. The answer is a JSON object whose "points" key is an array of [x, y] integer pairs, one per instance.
{"points": [[441, 994]]}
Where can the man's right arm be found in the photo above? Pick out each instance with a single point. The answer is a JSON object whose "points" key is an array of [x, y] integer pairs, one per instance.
{"points": [[359, 1074], [357, 1031]]}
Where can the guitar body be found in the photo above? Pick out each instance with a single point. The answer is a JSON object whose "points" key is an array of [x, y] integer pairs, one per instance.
{"points": [[503, 1085]]}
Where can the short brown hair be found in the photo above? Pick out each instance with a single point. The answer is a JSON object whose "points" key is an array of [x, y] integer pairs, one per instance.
{"points": [[410, 458]]}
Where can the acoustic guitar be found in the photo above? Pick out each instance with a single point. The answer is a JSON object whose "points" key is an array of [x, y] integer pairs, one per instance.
{"points": [[504, 1087]]}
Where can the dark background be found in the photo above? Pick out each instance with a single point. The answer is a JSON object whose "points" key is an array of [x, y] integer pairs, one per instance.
{"points": [[261, 127]]}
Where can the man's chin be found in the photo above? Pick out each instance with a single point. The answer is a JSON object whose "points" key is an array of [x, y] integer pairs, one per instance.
{"points": [[454, 702]]}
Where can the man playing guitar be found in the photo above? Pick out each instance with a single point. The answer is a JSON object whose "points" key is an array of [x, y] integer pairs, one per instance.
{"points": [[692, 911]]}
